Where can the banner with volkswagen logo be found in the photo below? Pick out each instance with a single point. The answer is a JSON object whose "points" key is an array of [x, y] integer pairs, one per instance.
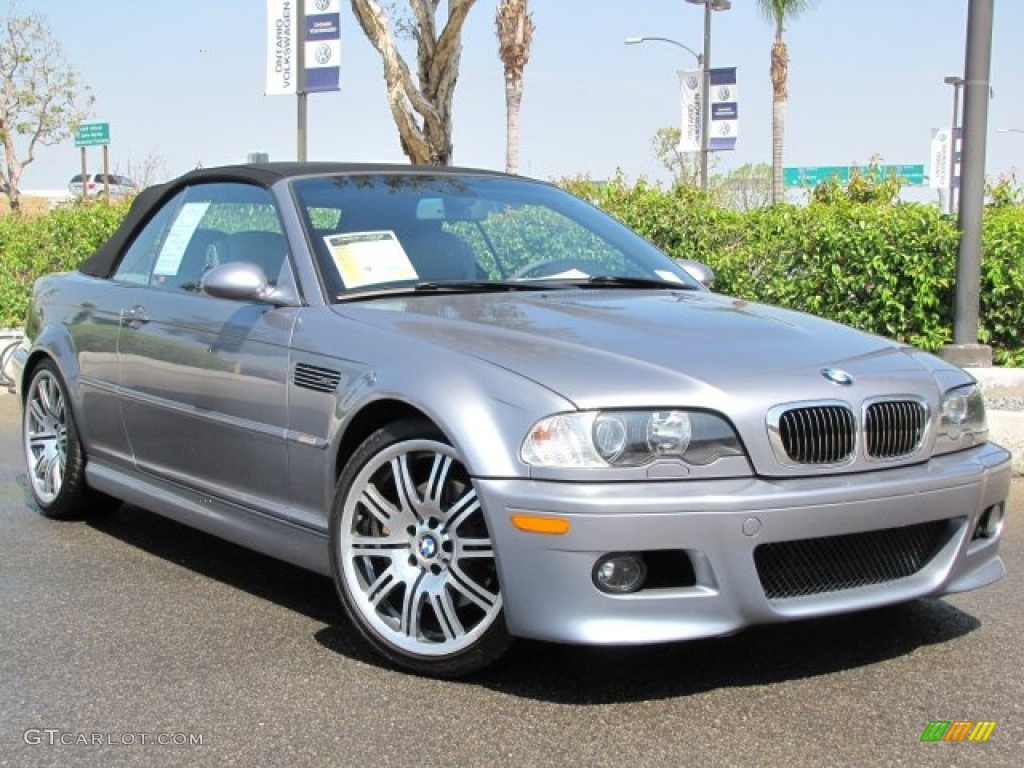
{"points": [[725, 122], [281, 59], [938, 167], [689, 135], [322, 46]]}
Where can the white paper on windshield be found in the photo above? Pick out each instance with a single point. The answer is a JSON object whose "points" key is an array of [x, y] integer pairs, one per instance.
{"points": [[178, 238], [671, 277], [367, 258], [569, 274]]}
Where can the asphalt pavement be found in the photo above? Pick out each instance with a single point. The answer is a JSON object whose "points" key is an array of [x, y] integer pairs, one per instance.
{"points": [[130, 640]]}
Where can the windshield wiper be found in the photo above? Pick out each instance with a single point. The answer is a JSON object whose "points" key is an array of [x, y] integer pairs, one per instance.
{"points": [[450, 286], [633, 282], [486, 285], [497, 286]]}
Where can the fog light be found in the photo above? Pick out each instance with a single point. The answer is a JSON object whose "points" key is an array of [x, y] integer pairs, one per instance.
{"points": [[991, 522], [620, 573]]}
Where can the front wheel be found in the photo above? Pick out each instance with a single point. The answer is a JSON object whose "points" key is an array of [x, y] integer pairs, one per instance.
{"points": [[412, 557]]}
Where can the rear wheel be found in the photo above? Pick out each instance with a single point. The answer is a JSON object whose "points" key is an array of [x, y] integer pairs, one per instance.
{"points": [[54, 459], [412, 557]]}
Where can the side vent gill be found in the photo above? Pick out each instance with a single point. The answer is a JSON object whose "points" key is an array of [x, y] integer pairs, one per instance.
{"points": [[312, 377]]}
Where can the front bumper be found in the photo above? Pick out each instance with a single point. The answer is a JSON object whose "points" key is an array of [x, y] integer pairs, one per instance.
{"points": [[549, 594]]}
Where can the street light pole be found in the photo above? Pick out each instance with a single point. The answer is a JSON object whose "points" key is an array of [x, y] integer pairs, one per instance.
{"points": [[965, 350], [957, 83], [645, 39], [688, 49], [705, 98]]}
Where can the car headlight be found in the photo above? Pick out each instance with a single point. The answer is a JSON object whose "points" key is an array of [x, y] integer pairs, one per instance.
{"points": [[963, 414], [629, 439]]}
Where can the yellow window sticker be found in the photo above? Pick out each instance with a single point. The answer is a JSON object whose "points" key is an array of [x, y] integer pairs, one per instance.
{"points": [[369, 258]]}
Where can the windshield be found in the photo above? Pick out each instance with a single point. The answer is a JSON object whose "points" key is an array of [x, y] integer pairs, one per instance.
{"points": [[409, 232]]}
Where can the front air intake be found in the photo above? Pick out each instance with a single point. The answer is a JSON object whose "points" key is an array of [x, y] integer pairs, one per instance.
{"points": [[835, 563]]}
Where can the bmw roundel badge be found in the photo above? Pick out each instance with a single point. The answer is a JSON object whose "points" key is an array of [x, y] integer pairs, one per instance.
{"points": [[837, 376]]}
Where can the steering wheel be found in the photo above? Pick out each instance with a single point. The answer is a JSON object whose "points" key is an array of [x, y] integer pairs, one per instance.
{"points": [[554, 266]]}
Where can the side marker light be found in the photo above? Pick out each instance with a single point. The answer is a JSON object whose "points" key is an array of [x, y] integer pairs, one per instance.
{"points": [[540, 524]]}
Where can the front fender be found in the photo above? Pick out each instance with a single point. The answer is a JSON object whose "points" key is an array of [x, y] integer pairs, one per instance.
{"points": [[485, 411], [53, 342]]}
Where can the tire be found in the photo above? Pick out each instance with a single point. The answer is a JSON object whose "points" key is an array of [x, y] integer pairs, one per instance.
{"points": [[54, 458], [411, 555]]}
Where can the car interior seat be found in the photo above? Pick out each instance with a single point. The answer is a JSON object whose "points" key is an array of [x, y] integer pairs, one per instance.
{"points": [[438, 255], [266, 249], [199, 257]]}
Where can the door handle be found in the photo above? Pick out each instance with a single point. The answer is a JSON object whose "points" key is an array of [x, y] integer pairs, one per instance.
{"points": [[135, 317]]}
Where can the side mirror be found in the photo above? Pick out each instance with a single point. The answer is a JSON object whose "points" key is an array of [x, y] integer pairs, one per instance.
{"points": [[700, 272], [244, 281]]}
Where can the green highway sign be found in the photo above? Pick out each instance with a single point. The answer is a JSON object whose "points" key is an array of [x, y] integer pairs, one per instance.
{"points": [[92, 135], [909, 175]]}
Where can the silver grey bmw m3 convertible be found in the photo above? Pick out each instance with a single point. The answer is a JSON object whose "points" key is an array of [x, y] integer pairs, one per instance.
{"points": [[488, 410]]}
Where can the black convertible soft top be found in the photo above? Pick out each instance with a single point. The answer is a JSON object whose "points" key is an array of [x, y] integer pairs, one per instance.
{"points": [[103, 262]]}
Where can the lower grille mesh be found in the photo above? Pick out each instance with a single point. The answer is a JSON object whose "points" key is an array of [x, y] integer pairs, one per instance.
{"points": [[833, 563]]}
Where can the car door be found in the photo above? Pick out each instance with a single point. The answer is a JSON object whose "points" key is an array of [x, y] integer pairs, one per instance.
{"points": [[203, 379], [94, 330]]}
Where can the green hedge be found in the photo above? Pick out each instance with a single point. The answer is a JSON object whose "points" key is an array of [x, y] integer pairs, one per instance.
{"points": [[59, 241], [887, 269]]}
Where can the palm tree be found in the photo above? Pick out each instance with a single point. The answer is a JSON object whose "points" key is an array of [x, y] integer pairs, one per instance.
{"points": [[778, 12], [515, 34]]}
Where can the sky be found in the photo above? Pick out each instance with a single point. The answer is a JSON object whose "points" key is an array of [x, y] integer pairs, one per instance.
{"points": [[182, 83]]}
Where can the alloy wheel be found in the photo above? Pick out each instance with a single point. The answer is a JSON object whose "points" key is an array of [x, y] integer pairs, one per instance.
{"points": [[415, 552], [46, 436]]}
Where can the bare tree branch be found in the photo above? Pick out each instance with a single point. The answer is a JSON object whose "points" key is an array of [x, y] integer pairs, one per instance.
{"points": [[42, 100], [150, 170]]}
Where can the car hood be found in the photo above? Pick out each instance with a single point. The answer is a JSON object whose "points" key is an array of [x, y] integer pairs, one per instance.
{"points": [[608, 348]]}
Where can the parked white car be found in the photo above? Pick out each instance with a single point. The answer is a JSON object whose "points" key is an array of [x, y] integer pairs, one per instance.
{"points": [[120, 186]]}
